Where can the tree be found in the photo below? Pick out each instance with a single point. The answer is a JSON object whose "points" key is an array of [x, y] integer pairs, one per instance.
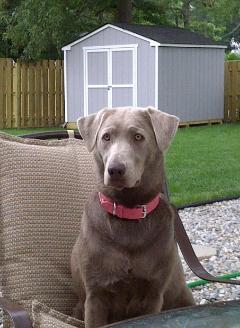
{"points": [[38, 28], [124, 11], [186, 13], [35, 29], [6, 9]]}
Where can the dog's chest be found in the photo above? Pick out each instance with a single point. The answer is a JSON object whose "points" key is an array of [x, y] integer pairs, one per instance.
{"points": [[128, 286], [128, 295], [122, 271]]}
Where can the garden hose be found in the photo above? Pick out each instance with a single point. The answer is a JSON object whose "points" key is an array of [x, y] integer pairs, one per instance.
{"points": [[202, 282]]}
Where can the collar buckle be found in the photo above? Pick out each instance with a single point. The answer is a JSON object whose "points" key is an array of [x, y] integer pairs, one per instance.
{"points": [[114, 208], [144, 211]]}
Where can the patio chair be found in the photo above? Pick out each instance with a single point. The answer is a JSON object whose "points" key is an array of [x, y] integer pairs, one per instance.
{"points": [[44, 185]]}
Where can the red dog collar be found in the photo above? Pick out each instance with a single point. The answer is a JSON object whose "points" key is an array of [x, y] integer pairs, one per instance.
{"points": [[135, 213]]}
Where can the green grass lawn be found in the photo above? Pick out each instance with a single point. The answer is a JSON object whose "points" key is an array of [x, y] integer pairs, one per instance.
{"points": [[202, 164]]}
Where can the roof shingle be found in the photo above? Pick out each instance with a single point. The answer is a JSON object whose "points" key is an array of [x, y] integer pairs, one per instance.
{"points": [[168, 35]]}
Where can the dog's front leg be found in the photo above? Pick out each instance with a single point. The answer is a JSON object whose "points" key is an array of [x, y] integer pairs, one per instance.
{"points": [[96, 311], [147, 302], [153, 303]]}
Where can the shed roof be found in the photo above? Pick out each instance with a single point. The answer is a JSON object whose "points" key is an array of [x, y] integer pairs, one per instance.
{"points": [[157, 35], [168, 35]]}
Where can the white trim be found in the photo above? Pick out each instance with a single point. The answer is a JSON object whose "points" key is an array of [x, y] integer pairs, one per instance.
{"points": [[65, 86], [100, 49], [109, 78], [68, 47], [85, 83], [135, 70], [96, 86], [191, 45], [123, 85], [114, 47], [156, 76], [65, 48], [123, 49]]}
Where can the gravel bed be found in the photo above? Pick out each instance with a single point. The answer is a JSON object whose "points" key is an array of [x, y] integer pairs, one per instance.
{"points": [[216, 225]]}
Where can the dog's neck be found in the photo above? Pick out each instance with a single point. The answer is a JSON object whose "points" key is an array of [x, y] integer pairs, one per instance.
{"points": [[152, 183]]}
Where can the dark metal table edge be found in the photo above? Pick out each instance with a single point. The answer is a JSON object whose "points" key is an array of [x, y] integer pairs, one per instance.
{"points": [[178, 310]]}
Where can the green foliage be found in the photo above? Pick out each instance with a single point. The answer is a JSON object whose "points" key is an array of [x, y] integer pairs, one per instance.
{"points": [[155, 12], [36, 29], [232, 56], [208, 29]]}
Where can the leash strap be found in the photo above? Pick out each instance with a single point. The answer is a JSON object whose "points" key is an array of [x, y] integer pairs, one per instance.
{"points": [[190, 256]]}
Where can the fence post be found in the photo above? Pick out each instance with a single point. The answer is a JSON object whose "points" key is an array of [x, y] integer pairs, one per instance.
{"points": [[18, 94], [38, 95], [226, 91], [45, 93], [31, 95], [237, 110], [234, 91], [58, 92], [62, 94], [24, 94], [51, 93], [9, 91], [2, 107], [14, 92]]}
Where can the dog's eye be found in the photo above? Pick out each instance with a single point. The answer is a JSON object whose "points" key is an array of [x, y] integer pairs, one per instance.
{"points": [[106, 137], [139, 137]]}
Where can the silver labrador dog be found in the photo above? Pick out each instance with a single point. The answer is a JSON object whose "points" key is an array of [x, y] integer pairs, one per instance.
{"points": [[125, 262]]}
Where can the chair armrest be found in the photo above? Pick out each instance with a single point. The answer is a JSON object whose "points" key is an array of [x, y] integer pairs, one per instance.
{"points": [[51, 135], [19, 316]]}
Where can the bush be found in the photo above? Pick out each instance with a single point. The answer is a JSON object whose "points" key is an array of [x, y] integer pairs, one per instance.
{"points": [[232, 56]]}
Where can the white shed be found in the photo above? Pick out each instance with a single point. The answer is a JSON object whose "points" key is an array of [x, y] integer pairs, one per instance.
{"points": [[174, 69]]}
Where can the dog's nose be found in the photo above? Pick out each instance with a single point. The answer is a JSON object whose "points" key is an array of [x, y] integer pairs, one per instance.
{"points": [[116, 170]]}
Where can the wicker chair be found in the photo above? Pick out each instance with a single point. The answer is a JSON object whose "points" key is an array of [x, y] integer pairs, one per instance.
{"points": [[19, 316]]}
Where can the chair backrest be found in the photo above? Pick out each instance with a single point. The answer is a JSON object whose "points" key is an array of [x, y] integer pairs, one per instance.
{"points": [[44, 185]]}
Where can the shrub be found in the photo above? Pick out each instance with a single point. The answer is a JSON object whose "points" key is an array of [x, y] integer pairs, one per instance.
{"points": [[232, 56]]}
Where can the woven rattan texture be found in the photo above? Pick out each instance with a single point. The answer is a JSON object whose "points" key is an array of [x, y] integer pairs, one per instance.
{"points": [[43, 188], [45, 317]]}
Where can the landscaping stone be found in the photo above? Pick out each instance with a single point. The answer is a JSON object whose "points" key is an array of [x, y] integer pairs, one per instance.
{"points": [[216, 226], [204, 252]]}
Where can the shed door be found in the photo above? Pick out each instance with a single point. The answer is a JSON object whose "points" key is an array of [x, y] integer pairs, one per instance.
{"points": [[110, 78]]}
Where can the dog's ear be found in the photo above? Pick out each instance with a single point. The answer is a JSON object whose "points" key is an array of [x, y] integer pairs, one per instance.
{"points": [[164, 126], [89, 126]]}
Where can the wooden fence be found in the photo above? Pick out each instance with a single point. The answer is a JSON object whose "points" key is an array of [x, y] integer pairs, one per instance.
{"points": [[232, 91], [31, 95]]}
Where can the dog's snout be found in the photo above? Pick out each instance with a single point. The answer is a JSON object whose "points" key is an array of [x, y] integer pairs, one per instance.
{"points": [[117, 170]]}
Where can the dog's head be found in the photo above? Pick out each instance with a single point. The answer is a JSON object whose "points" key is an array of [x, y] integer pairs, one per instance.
{"points": [[125, 139]]}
